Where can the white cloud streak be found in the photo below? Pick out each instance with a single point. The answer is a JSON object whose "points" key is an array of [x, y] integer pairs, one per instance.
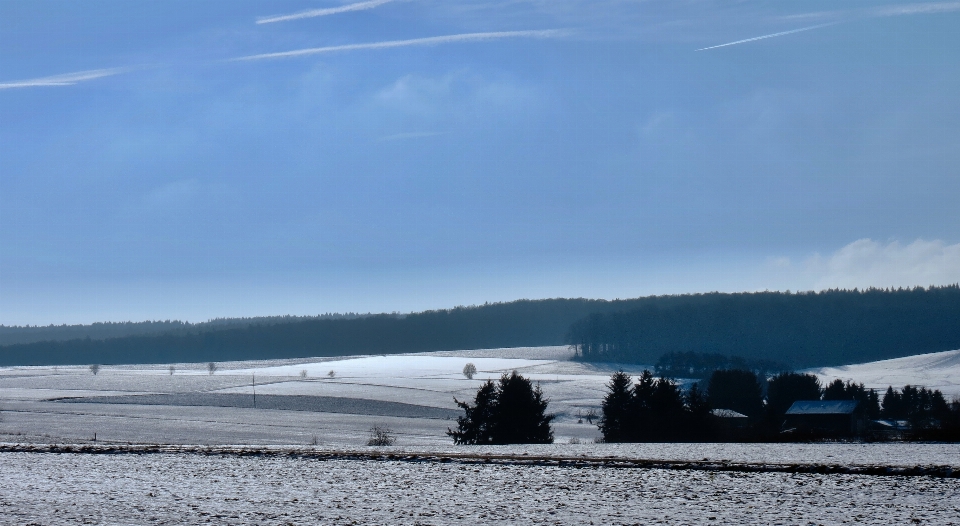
{"points": [[428, 41], [311, 13], [780, 34], [67, 79]]}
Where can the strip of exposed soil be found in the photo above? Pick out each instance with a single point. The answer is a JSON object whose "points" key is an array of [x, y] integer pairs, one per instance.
{"points": [[936, 471]]}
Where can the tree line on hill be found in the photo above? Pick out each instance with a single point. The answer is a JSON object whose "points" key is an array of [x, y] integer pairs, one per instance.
{"points": [[515, 324], [14, 334], [833, 327], [691, 332], [735, 407]]}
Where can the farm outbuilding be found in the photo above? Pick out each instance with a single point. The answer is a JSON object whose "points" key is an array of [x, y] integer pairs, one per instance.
{"points": [[827, 417]]}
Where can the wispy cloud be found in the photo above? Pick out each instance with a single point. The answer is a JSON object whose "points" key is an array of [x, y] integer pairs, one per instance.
{"points": [[310, 13], [867, 263], [67, 79], [780, 34], [429, 41]]}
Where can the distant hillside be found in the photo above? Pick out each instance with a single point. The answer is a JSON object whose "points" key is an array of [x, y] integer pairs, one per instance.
{"points": [[803, 330], [800, 330], [100, 331], [519, 323]]}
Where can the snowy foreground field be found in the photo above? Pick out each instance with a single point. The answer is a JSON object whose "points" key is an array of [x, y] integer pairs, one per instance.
{"points": [[48, 488], [76, 449]]}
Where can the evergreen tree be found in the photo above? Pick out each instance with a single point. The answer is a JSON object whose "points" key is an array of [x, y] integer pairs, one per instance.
{"points": [[735, 389], [521, 416], [641, 429], [615, 420], [511, 411], [476, 426], [836, 391], [666, 411], [893, 405], [699, 425]]}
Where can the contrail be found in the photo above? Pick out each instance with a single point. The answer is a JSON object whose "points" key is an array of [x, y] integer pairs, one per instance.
{"points": [[918, 9], [359, 6], [429, 41], [67, 79], [780, 34]]}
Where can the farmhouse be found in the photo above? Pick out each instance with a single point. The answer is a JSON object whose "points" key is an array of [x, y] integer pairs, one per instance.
{"points": [[828, 417]]}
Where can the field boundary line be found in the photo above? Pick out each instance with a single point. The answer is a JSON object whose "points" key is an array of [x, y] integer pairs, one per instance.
{"points": [[935, 471]]}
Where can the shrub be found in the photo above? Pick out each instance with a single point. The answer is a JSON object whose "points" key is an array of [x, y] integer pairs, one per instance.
{"points": [[172, 370], [212, 367], [469, 370], [331, 374], [95, 368], [381, 436], [303, 373]]}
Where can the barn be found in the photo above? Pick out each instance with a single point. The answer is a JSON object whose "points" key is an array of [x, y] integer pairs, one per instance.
{"points": [[825, 417]]}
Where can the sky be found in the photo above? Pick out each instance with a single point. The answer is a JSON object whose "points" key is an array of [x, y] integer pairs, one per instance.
{"points": [[189, 160]]}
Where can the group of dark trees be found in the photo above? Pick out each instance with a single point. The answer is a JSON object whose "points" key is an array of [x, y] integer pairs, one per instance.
{"points": [[920, 407], [803, 329], [652, 410], [658, 410], [701, 365], [511, 411]]}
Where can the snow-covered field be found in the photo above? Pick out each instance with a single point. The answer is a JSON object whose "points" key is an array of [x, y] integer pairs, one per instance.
{"points": [[194, 489], [299, 401], [300, 405]]}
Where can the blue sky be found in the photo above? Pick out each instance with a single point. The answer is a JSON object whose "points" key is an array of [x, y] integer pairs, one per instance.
{"points": [[151, 169]]}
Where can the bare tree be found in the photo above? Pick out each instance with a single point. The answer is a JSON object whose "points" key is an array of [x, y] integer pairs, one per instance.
{"points": [[591, 415], [212, 367], [303, 374], [331, 374], [469, 370], [381, 436], [95, 368], [172, 370]]}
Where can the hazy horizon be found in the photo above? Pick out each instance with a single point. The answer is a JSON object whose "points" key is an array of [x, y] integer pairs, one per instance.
{"points": [[190, 161]]}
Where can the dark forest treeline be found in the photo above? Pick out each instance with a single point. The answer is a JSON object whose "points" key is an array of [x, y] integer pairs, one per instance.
{"points": [[12, 334], [803, 329], [514, 324], [806, 329]]}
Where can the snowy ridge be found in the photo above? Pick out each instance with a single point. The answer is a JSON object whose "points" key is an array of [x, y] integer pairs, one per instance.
{"points": [[940, 370]]}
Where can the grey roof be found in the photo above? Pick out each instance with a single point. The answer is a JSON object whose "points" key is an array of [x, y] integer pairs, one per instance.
{"points": [[727, 413], [822, 407]]}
